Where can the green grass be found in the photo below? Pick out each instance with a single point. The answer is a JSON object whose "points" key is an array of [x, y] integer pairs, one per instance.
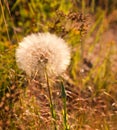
{"points": [[86, 98]]}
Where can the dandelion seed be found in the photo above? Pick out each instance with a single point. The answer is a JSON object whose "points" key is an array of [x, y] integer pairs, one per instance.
{"points": [[41, 50]]}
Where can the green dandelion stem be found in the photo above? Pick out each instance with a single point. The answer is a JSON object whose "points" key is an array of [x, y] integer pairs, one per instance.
{"points": [[51, 102], [63, 94]]}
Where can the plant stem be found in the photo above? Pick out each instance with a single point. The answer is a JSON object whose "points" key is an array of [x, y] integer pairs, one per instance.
{"points": [[66, 127], [51, 103], [5, 21]]}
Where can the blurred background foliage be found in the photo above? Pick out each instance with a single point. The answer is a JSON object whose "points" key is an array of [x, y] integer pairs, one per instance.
{"points": [[82, 23]]}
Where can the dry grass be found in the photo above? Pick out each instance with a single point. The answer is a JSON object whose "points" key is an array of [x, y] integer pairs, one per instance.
{"points": [[89, 101]]}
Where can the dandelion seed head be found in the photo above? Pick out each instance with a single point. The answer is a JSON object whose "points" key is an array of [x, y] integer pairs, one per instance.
{"points": [[43, 49]]}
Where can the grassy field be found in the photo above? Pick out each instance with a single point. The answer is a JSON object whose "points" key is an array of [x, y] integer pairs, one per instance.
{"points": [[82, 98]]}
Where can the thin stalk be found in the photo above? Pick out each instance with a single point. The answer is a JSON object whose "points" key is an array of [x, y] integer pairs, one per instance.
{"points": [[82, 51], [93, 6], [7, 5], [5, 21], [51, 102], [66, 127], [83, 6], [81, 47]]}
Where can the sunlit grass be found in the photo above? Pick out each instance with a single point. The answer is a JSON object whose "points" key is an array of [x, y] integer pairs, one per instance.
{"points": [[86, 98]]}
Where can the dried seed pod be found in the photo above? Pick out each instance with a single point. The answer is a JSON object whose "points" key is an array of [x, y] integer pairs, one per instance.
{"points": [[13, 87], [3, 98], [6, 108], [1, 104], [7, 95]]}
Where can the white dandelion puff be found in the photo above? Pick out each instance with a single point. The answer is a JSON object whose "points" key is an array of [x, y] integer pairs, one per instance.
{"points": [[43, 49]]}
